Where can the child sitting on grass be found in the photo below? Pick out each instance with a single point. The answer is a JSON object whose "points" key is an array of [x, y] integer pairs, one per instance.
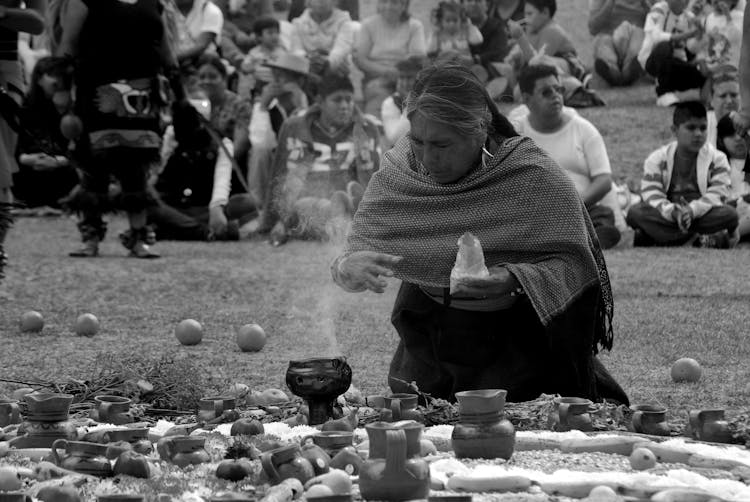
{"points": [[255, 73], [685, 186], [736, 149], [671, 30], [454, 31], [544, 38]]}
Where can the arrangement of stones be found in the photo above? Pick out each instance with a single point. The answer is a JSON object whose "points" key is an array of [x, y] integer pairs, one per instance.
{"points": [[320, 453]]}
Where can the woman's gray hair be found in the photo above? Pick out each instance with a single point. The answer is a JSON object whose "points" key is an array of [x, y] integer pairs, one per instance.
{"points": [[452, 94]]}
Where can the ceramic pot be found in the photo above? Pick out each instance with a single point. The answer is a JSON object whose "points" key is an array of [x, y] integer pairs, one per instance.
{"points": [[43, 434], [9, 412], [47, 406], [183, 450], [331, 441], [83, 457], [650, 419], [394, 470], [212, 407], [570, 413], [709, 425], [319, 382], [286, 463], [120, 497], [112, 410], [482, 431], [398, 407]]}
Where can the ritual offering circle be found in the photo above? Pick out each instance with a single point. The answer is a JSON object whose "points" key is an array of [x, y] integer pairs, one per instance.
{"points": [[402, 446], [189, 332], [31, 322]]}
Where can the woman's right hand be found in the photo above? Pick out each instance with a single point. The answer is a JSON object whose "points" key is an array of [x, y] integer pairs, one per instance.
{"points": [[364, 269]]}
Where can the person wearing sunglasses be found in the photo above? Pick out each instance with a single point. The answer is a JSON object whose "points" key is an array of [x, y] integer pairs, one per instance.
{"points": [[535, 322], [574, 143]]}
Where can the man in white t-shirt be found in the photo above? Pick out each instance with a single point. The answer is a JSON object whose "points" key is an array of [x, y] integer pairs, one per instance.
{"points": [[572, 141], [199, 28]]}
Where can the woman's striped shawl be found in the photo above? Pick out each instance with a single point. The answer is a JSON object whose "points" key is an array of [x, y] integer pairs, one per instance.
{"points": [[523, 208]]}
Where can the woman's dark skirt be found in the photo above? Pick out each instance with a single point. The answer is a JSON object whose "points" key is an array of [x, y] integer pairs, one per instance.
{"points": [[446, 350]]}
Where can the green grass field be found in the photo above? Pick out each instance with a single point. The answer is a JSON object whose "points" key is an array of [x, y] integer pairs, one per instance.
{"points": [[669, 303]]}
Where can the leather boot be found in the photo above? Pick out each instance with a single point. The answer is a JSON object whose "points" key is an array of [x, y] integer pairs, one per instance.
{"points": [[138, 242]]}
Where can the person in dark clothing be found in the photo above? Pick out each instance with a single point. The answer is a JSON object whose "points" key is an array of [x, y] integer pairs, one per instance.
{"points": [[45, 173], [494, 46], [121, 52], [194, 186], [534, 322]]}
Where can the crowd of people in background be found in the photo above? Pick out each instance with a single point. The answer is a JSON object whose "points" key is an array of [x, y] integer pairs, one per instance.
{"points": [[225, 119]]}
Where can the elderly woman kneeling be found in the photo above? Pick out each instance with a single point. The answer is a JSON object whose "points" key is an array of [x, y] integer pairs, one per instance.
{"points": [[536, 323]]}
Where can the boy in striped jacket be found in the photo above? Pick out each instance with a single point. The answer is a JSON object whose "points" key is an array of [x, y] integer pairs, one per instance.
{"points": [[684, 188]]}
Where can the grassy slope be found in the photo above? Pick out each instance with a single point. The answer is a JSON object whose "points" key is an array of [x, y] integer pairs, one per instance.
{"points": [[669, 303]]}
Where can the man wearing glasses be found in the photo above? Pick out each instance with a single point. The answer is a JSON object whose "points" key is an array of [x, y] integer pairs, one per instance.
{"points": [[573, 142]]}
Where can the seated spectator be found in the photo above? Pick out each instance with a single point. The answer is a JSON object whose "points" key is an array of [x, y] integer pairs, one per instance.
{"points": [[284, 97], [545, 42], [193, 189], [454, 32], [45, 174], [495, 45], [725, 99], [239, 18], [230, 114], [323, 161], [326, 35], [199, 26], [543, 36], [269, 49], [617, 28], [507, 10], [684, 188], [351, 6], [385, 39], [669, 29], [393, 112], [736, 149], [573, 142], [722, 37]]}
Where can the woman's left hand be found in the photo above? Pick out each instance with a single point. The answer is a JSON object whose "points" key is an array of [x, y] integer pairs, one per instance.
{"points": [[500, 283]]}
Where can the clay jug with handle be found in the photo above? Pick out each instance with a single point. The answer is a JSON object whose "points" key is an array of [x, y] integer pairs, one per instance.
{"points": [[183, 450], [482, 431], [9, 412], [650, 419], [112, 410], [571, 413], [394, 470], [709, 425], [83, 457], [400, 407]]}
